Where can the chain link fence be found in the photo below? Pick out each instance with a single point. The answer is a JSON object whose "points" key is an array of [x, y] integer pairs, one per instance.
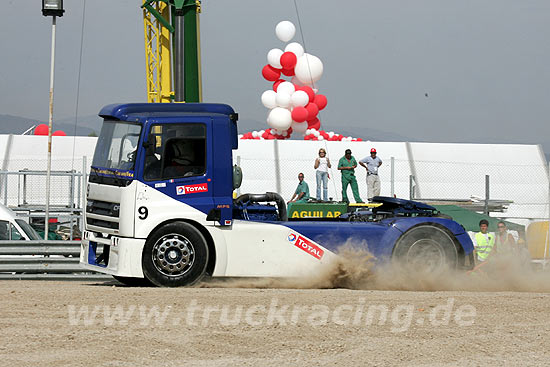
{"points": [[520, 190]]}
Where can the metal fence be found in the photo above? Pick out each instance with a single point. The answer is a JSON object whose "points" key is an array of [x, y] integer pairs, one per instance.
{"points": [[43, 260], [23, 182], [522, 191], [22, 188]]}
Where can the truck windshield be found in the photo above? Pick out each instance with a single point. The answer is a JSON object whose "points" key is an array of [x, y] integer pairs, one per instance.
{"points": [[115, 153]]}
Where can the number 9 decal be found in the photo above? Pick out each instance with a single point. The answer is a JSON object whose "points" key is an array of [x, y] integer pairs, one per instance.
{"points": [[143, 212]]}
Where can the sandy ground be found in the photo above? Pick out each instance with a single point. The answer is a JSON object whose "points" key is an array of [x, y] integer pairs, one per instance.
{"points": [[267, 327]]}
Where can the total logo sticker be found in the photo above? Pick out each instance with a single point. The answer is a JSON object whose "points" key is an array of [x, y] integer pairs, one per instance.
{"points": [[306, 245], [191, 189]]}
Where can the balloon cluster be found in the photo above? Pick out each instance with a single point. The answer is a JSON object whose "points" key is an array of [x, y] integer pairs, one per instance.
{"points": [[42, 129], [268, 134], [293, 104], [313, 134]]}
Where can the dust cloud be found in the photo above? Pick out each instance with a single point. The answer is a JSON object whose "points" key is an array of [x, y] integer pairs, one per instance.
{"points": [[355, 268]]}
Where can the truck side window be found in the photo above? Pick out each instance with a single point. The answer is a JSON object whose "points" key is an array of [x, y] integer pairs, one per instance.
{"points": [[175, 151]]}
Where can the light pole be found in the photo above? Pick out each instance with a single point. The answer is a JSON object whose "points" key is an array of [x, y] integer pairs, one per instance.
{"points": [[53, 8]]}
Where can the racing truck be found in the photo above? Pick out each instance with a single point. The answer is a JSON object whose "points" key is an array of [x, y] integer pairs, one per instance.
{"points": [[161, 210]]}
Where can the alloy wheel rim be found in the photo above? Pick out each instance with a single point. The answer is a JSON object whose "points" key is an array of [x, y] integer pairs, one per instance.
{"points": [[173, 255]]}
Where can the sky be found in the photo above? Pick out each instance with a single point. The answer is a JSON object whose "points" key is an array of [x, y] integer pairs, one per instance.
{"points": [[430, 70]]}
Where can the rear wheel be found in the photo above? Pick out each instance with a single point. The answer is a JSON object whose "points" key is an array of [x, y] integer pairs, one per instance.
{"points": [[426, 248], [175, 255]]}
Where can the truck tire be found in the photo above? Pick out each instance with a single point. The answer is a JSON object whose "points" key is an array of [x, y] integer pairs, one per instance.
{"points": [[175, 255], [426, 248], [133, 282]]}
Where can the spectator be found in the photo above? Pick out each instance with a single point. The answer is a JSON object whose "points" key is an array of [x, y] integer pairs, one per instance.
{"points": [[504, 241], [322, 164], [301, 195], [371, 164], [347, 166], [484, 241]]}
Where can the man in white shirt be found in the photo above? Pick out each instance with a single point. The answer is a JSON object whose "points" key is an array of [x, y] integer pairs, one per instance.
{"points": [[371, 164]]}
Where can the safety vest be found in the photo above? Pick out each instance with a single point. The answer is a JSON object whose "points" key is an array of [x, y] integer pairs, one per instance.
{"points": [[484, 247]]}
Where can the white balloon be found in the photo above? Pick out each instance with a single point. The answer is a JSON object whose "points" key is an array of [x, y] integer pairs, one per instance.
{"points": [[331, 134], [295, 48], [299, 98], [299, 127], [261, 132], [320, 137], [255, 134], [274, 58], [269, 99], [308, 69], [283, 99], [285, 30], [316, 133], [286, 87], [295, 81], [279, 118]]}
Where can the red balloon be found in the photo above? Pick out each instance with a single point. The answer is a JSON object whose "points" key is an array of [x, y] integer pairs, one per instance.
{"points": [[41, 129], [59, 133], [270, 73], [359, 139], [320, 100], [314, 124], [288, 72], [288, 60], [276, 84], [309, 91], [299, 114], [312, 111]]}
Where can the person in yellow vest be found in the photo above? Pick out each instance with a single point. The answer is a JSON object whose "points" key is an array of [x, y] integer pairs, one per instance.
{"points": [[485, 241]]}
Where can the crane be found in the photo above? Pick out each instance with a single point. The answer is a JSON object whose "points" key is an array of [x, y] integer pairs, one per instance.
{"points": [[172, 50]]}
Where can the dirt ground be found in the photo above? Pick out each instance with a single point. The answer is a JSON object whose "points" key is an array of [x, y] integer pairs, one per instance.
{"points": [[46, 323]]}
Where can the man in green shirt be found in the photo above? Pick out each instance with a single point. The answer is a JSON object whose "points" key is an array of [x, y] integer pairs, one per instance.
{"points": [[301, 195], [347, 165]]}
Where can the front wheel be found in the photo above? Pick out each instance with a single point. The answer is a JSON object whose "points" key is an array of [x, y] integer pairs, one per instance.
{"points": [[427, 248], [133, 282], [175, 255]]}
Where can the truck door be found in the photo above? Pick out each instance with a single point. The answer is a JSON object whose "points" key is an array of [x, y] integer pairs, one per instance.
{"points": [[177, 162]]}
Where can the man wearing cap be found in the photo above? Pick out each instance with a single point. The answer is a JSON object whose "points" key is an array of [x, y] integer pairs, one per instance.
{"points": [[371, 164], [347, 165]]}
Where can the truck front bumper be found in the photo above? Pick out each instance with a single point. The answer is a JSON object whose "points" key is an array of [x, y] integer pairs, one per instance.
{"points": [[117, 256]]}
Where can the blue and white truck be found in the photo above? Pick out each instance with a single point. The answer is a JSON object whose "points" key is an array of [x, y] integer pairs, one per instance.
{"points": [[160, 203]]}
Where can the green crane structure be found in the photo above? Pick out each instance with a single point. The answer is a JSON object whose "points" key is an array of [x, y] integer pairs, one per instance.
{"points": [[172, 50]]}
